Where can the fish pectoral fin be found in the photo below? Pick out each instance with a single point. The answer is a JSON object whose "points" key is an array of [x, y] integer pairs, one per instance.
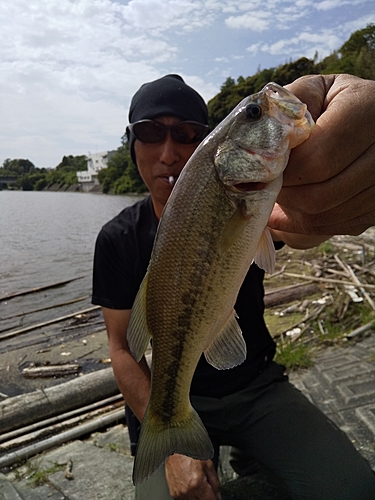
{"points": [[156, 442], [233, 229], [137, 333], [265, 256], [228, 349]]}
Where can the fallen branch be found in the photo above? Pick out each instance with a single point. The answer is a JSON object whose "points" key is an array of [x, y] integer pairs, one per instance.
{"points": [[360, 330], [356, 281], [25, 409], [287, 294], [308, 317], [51, 371], [61, 304], [326, 280], [39, 288], [45, 323]]}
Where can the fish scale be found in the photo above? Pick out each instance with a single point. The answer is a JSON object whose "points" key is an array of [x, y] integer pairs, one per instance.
{"points": [[212, 228]]}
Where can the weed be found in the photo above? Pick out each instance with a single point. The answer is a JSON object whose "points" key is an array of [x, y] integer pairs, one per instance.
{"points": [[113, 447], [326, 248], [294, 355], [38, 476]]}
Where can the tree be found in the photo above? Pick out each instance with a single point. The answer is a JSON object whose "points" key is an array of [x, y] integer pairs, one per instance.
{"points": [[121, 176], [17, 167], [356, 56]]}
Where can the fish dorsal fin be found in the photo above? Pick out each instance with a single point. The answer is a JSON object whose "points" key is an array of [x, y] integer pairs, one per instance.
{"points": [[137, 334], [265, 256], [228, 349], [233, 229]]}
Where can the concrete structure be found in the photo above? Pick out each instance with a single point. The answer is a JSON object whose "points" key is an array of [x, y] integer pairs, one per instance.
{"points": [[5, 181], [95, 162]]}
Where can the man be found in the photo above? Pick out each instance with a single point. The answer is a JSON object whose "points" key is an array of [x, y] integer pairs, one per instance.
{"points": [[252, 407]]}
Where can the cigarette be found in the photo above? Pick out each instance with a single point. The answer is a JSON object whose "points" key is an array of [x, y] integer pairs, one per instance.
{"points": [[171, 180]]}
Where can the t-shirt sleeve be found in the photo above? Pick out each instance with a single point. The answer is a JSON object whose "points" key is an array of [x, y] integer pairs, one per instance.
{"points": [[113, 281]]}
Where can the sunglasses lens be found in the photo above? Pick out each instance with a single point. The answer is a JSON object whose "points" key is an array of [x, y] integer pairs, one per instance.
{"points": [[149, 131], [188, 132]]}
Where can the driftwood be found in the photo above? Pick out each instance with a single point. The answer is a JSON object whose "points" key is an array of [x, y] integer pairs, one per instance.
{"points": [[360, 330], [14, 333], [45, 424], [75, 433], [326, 280], [51, 370], [356, 281], [52, 430], [39, 288], [28, 408], [61, 304], [287, 294]]}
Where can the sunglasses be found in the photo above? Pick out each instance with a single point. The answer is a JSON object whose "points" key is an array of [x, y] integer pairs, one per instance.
{"points": [[151, 132]]}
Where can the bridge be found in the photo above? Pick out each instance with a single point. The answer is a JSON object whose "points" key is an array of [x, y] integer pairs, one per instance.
{"points": [[5, 181]]}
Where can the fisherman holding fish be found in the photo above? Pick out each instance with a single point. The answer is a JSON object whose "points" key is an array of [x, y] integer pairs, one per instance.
{"points": [[186, 296]]}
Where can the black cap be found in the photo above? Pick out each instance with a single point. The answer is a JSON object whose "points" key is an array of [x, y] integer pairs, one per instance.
{"points": [[167, 96]]}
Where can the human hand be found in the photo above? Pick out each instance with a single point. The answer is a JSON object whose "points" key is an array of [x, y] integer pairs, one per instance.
{"points": [[190, 479], [329, 183]]}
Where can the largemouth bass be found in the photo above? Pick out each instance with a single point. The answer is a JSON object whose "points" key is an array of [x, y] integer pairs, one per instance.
{"points": [[212, 228]]}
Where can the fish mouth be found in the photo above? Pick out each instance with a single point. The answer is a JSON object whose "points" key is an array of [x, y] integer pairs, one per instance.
{"points": [[246, 187]]}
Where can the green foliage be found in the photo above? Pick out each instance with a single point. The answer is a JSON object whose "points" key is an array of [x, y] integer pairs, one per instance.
{"points": [[121, 176], [16, 168], [293, 355], [72, 163], [356, 56], [31, 178], [232, 93]]}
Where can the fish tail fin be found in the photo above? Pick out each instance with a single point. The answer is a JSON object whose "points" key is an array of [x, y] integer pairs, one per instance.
{"points": [[158, 442]]}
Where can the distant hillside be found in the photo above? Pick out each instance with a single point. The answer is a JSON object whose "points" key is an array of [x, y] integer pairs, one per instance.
{"points": [[356, 56]]}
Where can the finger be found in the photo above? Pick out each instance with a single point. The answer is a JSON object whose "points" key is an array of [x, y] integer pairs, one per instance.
{"points": [[343, 131], [291, 222], [335, 192], [212, 478], [357, 208]]}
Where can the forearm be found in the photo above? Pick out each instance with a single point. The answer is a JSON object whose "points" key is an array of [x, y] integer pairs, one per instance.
{"points": [[133, 380]]}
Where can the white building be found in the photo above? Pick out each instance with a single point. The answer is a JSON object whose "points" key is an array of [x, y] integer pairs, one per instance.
{"points": [[95, 162]]}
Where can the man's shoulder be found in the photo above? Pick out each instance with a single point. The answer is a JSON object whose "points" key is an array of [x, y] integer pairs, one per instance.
{"points": [[138, 214]]}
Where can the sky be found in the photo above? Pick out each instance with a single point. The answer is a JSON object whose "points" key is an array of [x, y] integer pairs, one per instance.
{"points": [[68, 68]]}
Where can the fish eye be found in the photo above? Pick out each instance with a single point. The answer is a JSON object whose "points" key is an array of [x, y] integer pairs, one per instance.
{"points": [[253, 111]]}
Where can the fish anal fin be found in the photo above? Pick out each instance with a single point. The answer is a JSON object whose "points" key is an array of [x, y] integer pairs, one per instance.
{"points": [[157, 442], [233, 229], [265, 256], [137, 333], [228, 349]]}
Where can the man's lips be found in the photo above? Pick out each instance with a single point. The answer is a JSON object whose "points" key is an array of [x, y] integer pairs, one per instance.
{"points": [[169, 178]]}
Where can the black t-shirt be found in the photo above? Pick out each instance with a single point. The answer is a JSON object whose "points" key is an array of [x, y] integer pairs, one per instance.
{"points": [[122, 253]]}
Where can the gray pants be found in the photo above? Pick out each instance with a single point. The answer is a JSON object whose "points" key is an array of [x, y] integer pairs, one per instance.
{"points": [[272, 422]]}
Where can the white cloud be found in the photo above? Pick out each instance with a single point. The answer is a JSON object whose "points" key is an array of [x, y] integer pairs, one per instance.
{"points": [[256, 21], [158, 16], [68, 68], [334, 4], [305, 44]]}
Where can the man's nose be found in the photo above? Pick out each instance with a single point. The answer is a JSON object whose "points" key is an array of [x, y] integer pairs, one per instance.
{"points": [[169, 150]]}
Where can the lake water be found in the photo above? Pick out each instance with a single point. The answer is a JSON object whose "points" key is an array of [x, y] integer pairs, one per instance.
{"points": [[45, 238]]}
